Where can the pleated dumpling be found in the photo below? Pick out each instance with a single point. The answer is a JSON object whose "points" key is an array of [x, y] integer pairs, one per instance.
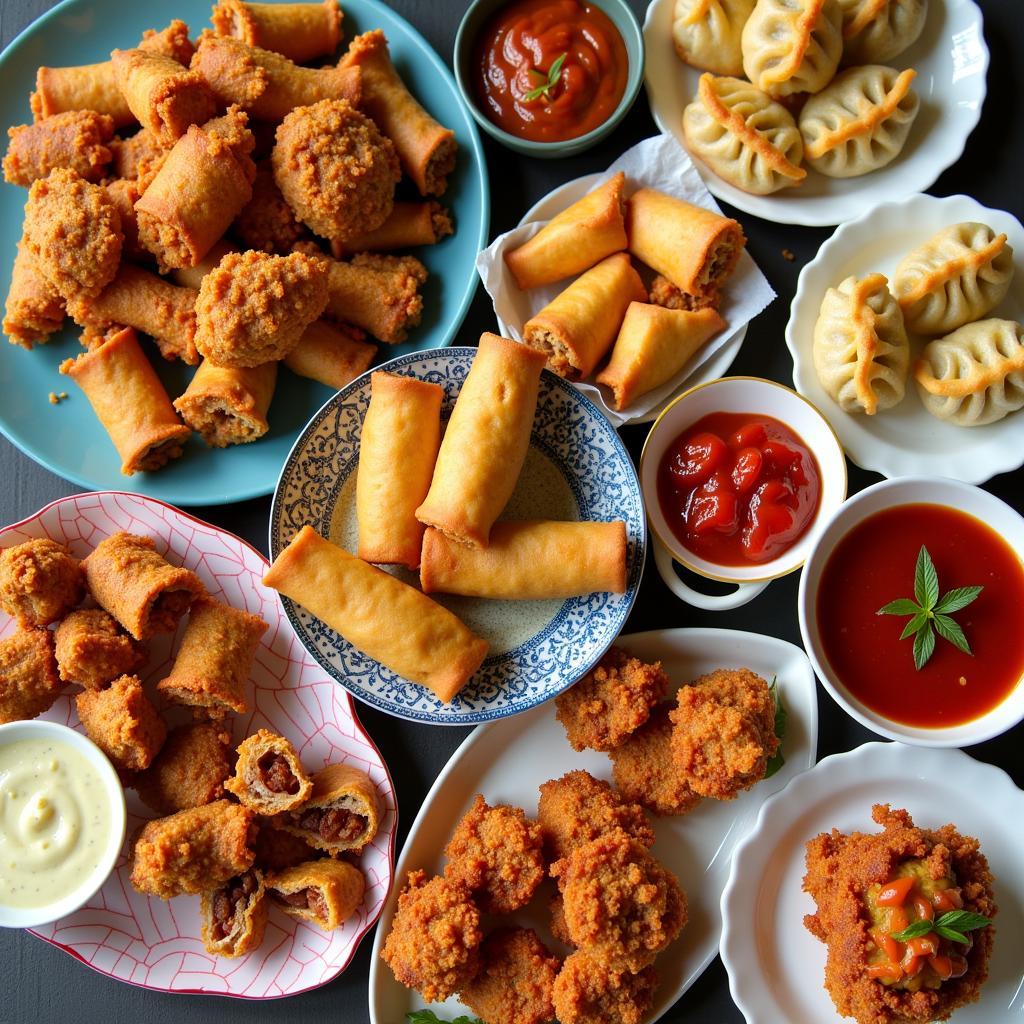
{"points": [[861, 351], [792, 45], [706, 33], [744, 136], [975, 375], [959, 275], [875, 31], [860, 121]]}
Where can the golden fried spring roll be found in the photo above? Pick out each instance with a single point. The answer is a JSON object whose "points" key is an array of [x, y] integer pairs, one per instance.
{"points": [[77, 139], [653, 345], [696, 249], [34, 309], [342, 813], [577, 238], [198, 191], [326, 892], [332, 355], [234, 915], [425, 148], [409, 225], [269, 777], [486, 441], [131, 403], [397, 452], [298, 31], [228, 405], [266, 84], [529, 560], [578, 326], [192, 277], [378, 614]]}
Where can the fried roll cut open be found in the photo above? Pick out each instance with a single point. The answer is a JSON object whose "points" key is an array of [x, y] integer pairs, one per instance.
{"points": [[326, 892], [299, 31], [92, 649], [34, 308], [576, 239], [138, 586], [234, 915], [332, 354], [215, 658], [228, 405], [269, 777], [410, 225], [529, 560], [77, 139], [397, 451], [486, 441], [378, 614]]}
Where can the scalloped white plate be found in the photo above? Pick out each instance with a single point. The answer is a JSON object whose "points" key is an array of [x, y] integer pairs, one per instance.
{"points": [[776, 967], [905, 440], [951, 60], [155, 944]]}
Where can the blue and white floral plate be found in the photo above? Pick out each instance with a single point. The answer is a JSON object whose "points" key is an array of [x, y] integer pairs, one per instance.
{"points": [[577, 468]]}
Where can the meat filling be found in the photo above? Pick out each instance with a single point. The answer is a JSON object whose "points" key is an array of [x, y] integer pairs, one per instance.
{"points": [[310, 898], [332, 824], [229, 904], [275, 773]]}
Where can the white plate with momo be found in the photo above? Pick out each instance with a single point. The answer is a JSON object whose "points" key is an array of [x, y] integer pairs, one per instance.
{"points": [[906, 439], [951, 61]]}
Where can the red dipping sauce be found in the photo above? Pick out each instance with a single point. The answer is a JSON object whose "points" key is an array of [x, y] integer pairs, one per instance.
{"points": [[874, 564], [737, 488], [516, 51]]}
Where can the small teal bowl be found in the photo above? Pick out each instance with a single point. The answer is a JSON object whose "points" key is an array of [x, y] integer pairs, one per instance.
{"points": [[470, 27]]}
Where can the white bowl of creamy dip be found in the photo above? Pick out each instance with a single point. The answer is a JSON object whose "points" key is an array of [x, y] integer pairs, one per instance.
{"points": [[62, 821]]}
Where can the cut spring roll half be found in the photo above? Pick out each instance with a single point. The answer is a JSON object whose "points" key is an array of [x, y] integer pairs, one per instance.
{"points": [[234, 915], [228, 405], [325, 892], [269, 777]]}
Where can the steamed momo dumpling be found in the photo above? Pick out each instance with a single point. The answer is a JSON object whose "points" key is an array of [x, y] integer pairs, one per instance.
{"points": [[744, 136], [792, 45], [706, 33], [875, 31], [861, 351], [957, 276], [975, 375], [860, 121]]}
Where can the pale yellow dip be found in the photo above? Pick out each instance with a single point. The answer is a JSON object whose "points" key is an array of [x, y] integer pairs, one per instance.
{"points": [[55, 821]]}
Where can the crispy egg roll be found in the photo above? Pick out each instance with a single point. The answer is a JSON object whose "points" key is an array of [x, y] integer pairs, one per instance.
{"points": [[342, 813], [234, 915], [577, 327], [269, 777], [653, 345], [228, 405], [409, 225], [326, 892], [529, 560], [130, 402], [426, 149], [378, 614], [34, 308], [486, 441], [298, 31], [580, 236], [696, 249], [77, 139], [332, 354], [397, 451]]}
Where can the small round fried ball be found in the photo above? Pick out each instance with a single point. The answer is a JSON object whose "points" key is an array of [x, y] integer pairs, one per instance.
{"points": [[40, 581], [587, 992]]}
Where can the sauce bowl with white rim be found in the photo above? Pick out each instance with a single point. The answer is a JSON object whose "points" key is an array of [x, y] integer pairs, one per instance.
{"points": [[111, 837], [755, 397]]}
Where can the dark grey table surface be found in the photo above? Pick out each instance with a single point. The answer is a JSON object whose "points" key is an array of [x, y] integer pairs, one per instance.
{"points": [[44, 984]]}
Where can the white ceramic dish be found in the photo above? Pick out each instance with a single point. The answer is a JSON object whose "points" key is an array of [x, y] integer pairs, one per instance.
{"points": [[776, 967], [508, 761], [905, 440], [951, 60], [995, 513]]}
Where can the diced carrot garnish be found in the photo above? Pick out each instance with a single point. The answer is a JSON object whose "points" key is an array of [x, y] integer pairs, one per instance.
{"points": [[887, 945], [898, 919], [894, 893], [923, 907], [942, 965], [885, 972], [947, 899], [924, 945], [912, 964]]}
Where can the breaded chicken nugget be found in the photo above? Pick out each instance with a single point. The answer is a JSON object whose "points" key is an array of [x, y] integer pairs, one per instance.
{"points": [[123, 723], [29, 683], [40, 581], [434, 942], [496, 852], [76, 139], [92, 649], [189, 771], [587, 992], [266, 221]]}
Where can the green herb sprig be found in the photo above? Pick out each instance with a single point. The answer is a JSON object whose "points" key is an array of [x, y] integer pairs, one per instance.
{"points": [[930, 612], [950, 925], [776, 761], [554, 73], [429, 1017]]}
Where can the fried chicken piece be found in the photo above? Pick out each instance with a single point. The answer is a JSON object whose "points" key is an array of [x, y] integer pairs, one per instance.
{"points": [[611, 701], [434, 942], [139, 156], [194, 850], [34, 308], [644, 771], [123, 723], [335, 169], [496, 852], [73, 231], [266, 221], [577, 808], [621, 905], [513, 985], [92, 649], [844, 875], [277, 850], [587, 992], [253, 307], [40, 581], [189, 771], [724, 732], [76, 139], [29, 683], [559, 929]]}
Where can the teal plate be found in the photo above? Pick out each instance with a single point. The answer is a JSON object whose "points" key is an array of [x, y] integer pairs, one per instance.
{"points": [[67, 439]]}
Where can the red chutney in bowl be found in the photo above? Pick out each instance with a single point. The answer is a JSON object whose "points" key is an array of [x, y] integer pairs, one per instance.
{"points": [[516, 52], [737, 488], [874, 564]]}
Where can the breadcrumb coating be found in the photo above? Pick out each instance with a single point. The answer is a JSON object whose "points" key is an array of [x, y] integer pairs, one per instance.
{"points": [[587, 992], [189, 771], [123, 723], [92, 649], [29, 683], [266, 221], [34, 308], [40, 581], [139, 156], [76, 139]]}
